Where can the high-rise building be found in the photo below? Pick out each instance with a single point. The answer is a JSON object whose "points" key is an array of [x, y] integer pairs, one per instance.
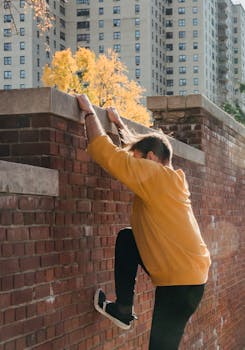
{"points": [[171, 47], [25, 49]]}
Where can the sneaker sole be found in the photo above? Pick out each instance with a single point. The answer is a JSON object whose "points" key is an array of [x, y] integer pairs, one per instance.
{"points": [[117, 322]]}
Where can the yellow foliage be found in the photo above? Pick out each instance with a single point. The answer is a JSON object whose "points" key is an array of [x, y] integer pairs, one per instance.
{"points": [[102, 78]]}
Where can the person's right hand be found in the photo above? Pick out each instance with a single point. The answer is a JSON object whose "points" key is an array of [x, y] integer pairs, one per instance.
{"points": [[114, 117], [85, 104]]}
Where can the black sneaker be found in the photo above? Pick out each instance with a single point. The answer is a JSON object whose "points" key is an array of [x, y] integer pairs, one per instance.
{"points": [[110, 310]]}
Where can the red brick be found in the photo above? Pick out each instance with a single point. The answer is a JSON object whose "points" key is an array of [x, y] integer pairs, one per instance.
{"points": [[9, 266], [29, 135], [21, 296], [18, 234], [6, 217], [9, 136], [37, 233], [5, 300], [30, 263], [8, 202], [2, 234], [30, 149], [29, 203]]}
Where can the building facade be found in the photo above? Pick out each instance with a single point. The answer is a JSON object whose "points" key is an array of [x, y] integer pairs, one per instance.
{"points": [[171, 47]]}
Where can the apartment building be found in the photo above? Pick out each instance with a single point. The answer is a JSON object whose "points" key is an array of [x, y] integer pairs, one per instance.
{"points": [[25, 49], [171, 47]]}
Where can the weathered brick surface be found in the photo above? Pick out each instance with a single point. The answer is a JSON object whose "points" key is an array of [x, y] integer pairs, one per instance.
{"points": [[56, 251]]}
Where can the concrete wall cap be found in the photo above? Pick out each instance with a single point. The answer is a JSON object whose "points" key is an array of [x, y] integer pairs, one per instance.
{"points": [[182, 103], [28, 179]]}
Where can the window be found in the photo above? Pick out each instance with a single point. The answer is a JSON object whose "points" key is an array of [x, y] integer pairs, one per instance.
{"points": [[195, 81], [235, 70], [169, 93], [195, 58], [101, 23], [169, 47], [22, 74], [182, 70], [22, 86], [137, 47], [170, 82], [101, 10], [22, 31], [117, 47], [169, 23], [169, 12], [182, 82], [182, 92], [182, 46], [83, 2], [22, 4], [83, 12], [101, 49], [7, 87], [137, 35], [116, 22], [22, 45], [181, 22], [195, 21], [195, 45], [116, 10], [182, 58], [117, 35], [137, 21], [7, 61], [62, 23], [7, 74], [22, 17], [83, 37], [137, 60], [195, 33], [7, 32], [7, 46], [137, 9], [7, 18], [169, 59], [137, 73], [182, 34], [195, 69], [169, 35], [181, 0], [62, 10], [6, 4], [194, 10], [169, 70], [83, 25], [101, 36], [181, 10], [235, 60]]}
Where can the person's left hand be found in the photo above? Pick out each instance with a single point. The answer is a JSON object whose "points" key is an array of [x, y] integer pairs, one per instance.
{"points": [[85, 104]]}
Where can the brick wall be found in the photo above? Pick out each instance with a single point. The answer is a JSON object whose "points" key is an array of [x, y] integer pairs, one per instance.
{"points": [[219, 201], [56, 250]]}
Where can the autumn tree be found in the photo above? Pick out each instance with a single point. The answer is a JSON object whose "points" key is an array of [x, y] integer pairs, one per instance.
{"points": [[104, 79]]}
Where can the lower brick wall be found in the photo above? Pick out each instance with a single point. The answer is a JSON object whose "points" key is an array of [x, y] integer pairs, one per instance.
{"points": [[56, 250]]}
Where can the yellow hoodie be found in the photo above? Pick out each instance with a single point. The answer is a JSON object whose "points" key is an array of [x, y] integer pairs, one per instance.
{"points": [[163, 223]]}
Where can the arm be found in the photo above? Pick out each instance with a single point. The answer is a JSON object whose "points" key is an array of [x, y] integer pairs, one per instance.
{"points": [[126, 135], [92, 122]]}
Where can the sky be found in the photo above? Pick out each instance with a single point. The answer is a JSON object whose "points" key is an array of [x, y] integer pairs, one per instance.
{"points": [[239, 2]]}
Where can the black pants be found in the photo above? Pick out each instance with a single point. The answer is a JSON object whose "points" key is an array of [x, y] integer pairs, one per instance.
{"points": [[173, 304]]}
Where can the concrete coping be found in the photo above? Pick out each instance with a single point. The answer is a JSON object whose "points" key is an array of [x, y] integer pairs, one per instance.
{"points": [[182, 103], [49, 100], [28, 179]]}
